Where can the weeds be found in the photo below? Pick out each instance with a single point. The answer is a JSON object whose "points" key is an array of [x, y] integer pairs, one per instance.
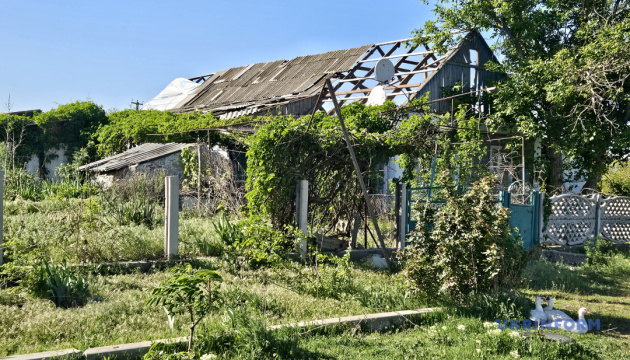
{"points": [[63, 285]]}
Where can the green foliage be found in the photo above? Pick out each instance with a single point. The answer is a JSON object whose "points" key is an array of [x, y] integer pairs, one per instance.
{"points": [[63, 285], [244, 334], [24, 140], [598, 252], [288, 149], [490, 306], [568, 75], [229, 233], [85, 230], [459, 151], [252, 242], [466, 245], [191, 292], [132, 127], [135, 200], [72, 124], [191, 167], [195, 232], [616, 180]]}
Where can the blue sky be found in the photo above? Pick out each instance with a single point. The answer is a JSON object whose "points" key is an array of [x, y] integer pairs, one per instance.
{"points": [[55, 52]]}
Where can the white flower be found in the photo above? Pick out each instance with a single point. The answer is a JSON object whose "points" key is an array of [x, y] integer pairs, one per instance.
{"points": [[478, 341], [208, 357], [461, 327], [515, 353], [443, 327], [488, 325], [432, 327], [514, 334], [478, 350], [494, 331]]}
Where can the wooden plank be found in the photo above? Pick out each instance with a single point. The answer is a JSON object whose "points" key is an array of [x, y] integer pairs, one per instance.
{"points": [[357, 169], [399, 56], [367, 90], [355, 230]]}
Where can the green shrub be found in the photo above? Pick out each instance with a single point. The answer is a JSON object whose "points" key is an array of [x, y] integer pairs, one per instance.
{"points": [[197, 238], [465, 246], [19, 183], [616, 180], [598, 252], [252, 242], [190, 292], [63, 285]]}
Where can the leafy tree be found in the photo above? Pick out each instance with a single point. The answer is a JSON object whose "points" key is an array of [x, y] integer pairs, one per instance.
{"points": [[192, 292], [616, 180], [72, 124], [569, 65]]}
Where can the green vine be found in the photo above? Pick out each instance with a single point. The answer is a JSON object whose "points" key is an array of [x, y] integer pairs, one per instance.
{"points": [[287, 149]]}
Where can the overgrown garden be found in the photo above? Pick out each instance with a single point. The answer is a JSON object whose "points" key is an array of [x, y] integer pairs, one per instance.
{"points": [[64, 282]]}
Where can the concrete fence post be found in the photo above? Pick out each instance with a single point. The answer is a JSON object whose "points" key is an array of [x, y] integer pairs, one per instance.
{"points": [[402, 220], [1, 215], [171, 218], [301, 215], [598, 219]]}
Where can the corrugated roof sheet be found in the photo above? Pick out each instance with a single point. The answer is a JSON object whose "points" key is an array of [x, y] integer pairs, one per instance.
{"points": [[134, 156], [272, 81]]}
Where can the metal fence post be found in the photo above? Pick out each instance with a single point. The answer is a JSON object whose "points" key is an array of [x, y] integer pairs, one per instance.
{"points": [[1, 215], [171, 218], [535, 202], [402, 225], [301, 216]]}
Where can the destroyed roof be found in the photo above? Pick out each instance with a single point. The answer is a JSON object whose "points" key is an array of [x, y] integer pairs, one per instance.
{"points": [[139, 154], [257, 84], [296, 87]]}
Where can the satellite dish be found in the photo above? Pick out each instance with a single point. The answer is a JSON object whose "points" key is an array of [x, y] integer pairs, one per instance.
{"points": [[377, 96], [384, 71]]}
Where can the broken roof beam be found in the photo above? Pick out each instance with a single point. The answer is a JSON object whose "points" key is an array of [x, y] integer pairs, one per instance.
{"points": [[404, 73], [395, 46], [398, 56], [407, 79], [364, 91]]}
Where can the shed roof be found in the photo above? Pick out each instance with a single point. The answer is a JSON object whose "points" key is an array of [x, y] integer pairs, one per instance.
{"points": [[139, 154]]}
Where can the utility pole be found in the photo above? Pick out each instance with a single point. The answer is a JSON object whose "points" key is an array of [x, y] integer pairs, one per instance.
{"points": [[137, 103]]}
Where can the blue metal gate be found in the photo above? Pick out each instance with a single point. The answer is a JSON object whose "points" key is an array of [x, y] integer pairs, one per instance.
{"points": [[524, 218]]}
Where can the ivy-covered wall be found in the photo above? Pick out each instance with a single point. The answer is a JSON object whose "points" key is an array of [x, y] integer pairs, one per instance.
{"points": [[41, 142]]}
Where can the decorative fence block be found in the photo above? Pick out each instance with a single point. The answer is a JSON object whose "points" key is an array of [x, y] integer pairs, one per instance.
{"points": [[576, 219], [614, 219], [573, 219]]}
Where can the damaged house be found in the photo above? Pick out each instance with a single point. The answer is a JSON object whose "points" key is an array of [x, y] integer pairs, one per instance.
{"points": [[297, 86]]}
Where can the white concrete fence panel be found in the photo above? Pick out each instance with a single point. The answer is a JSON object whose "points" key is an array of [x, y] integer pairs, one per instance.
{"points": [[575, 219]]}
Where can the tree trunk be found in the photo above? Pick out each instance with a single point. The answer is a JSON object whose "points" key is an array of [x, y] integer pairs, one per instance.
{"points": [[556, 171], [592, 181]]}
